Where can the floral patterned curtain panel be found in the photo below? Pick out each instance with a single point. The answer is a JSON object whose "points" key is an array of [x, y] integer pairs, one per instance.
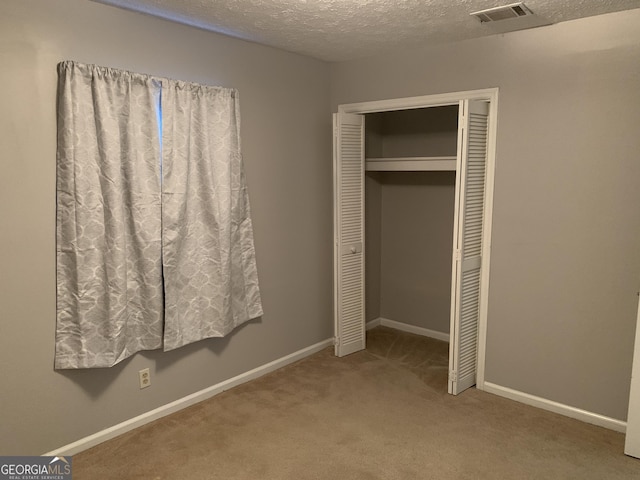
{"points": [[154, 237]]}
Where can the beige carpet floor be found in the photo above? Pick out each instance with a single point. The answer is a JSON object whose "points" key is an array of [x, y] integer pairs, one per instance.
{"points": [[379, 414]]}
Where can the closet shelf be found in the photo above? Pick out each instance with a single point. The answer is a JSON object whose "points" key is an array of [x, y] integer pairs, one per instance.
{"points": [[410, 164]]}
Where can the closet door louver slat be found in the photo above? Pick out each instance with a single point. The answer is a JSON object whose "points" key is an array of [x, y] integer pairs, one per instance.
{"points": [[349, 233], [470, 205]]}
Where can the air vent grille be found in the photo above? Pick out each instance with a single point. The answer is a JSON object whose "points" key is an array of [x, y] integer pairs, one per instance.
{"points": [[506, 12]]}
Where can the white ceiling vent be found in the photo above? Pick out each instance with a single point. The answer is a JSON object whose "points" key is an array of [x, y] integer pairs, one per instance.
{"points": [[509, 18], [514, 10]]}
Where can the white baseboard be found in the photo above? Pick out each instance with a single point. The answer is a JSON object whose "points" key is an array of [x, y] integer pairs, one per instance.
{"points": [[372, 324], [140, 420], [405, 327], [562, 409]]}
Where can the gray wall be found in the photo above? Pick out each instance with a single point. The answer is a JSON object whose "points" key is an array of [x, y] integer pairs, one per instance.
{"points": [[286, 132], [421, 132], [373, 244], [417, 246], [565, 265]]}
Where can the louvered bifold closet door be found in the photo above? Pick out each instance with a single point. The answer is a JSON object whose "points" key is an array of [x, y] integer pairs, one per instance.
{"points": [[349, 233], [470, 205]]}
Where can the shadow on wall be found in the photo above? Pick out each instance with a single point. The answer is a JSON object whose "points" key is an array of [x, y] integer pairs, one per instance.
{"points": [[95, 381], [217, 345]]}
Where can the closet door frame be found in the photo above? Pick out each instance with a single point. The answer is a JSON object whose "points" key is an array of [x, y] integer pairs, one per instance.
{"points": [[632, 439], [489, 95]]}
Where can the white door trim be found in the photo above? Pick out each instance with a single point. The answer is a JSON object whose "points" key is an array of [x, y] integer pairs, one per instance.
{"points": [[423, 101], [453, 98], [632, 440]]}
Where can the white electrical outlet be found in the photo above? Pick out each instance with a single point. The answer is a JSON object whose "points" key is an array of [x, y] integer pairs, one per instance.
{"points": [[145, 378]]}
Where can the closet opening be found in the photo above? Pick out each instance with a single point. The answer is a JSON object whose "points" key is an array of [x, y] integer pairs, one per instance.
{"points": [[409, 245], [410, 162], [413, 187]]}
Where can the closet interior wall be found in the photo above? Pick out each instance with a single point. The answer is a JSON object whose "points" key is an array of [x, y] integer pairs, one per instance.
{"points": [[409, 219]]}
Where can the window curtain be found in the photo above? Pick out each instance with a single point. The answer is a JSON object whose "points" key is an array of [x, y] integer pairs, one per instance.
{"points": [[154, 239], [211, 282]]}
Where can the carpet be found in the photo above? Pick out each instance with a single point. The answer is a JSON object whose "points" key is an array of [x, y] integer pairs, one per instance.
{"points": [[380, 414]]}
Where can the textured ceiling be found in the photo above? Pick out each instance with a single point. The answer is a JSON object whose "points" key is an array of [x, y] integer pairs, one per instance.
{"points": [[335, 30]]}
